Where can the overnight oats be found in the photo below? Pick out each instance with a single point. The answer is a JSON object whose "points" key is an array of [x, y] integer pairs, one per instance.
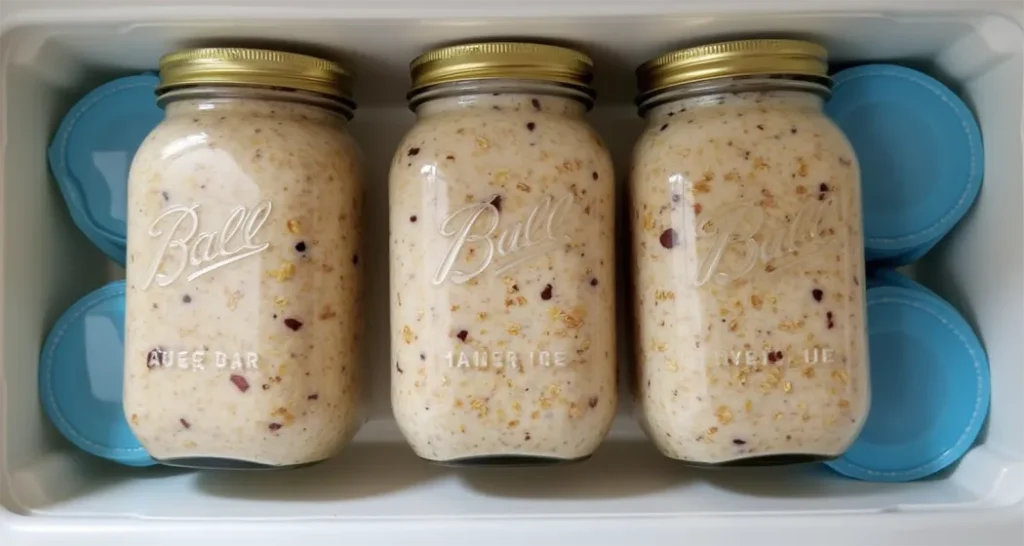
{"points": [[748, 262], [243, 264], [502, 255]]}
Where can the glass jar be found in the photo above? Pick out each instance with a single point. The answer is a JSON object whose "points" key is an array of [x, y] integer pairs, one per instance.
{"points": [[748, 259], [243, 264], [502, 255]]}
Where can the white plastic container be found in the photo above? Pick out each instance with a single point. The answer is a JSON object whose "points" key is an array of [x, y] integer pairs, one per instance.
{"points": [[52, 51]]}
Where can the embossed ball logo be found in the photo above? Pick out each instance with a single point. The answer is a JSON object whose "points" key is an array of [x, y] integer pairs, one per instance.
{"points": [[183, 247], [476, 225], [742, 235]]}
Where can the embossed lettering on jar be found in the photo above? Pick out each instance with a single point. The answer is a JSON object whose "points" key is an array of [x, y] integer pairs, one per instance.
{"points": [[243, 276], [748, 258], [502, 257]]}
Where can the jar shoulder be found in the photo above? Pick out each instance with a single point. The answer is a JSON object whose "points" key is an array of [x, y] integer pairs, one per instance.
{"points": [[787, 131], [260, 147], [514, 140]]}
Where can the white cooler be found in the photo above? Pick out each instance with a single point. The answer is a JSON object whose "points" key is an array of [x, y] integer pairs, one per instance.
{"points": [[377, 491]]}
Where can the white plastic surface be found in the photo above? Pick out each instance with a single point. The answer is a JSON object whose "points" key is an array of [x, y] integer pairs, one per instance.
{"points": [[52, 51]]}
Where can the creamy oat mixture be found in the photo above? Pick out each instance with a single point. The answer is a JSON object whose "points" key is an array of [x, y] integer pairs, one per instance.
{"points": [[748, 275], [502, 300], [243, 276]]}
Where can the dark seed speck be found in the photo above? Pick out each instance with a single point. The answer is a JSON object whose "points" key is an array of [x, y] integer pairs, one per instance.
{"points": [[817, 294], [186, 298], [240, 382], [668, 238], [531, 126], [185, 423], [535, 103], [413, 151], [739, 442], [274, 426], [300, 246], [462, 335], [546, 293], [294, 324]]}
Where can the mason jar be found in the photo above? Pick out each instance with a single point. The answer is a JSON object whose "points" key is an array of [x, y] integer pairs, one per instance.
{"points": [[748, 258], [243, 269], [502, 255]]}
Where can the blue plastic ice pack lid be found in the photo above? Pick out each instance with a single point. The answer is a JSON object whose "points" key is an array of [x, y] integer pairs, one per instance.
{"points": [[920, 154], [929, 388], [81, 377], [92, 150]]}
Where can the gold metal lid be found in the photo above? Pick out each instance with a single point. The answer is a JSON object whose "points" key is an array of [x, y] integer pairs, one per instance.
{"points": [[731, 59], [256, 68], [502, 60]]}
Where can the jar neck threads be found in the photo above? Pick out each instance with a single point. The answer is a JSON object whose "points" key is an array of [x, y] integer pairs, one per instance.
{"points": [[764, 85], [504, 95], [242, 99], [772, 94]]}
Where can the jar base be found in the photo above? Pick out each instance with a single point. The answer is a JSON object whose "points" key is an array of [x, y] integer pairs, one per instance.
{"points": [[506, 461], [765, 460], [218, 463]]}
